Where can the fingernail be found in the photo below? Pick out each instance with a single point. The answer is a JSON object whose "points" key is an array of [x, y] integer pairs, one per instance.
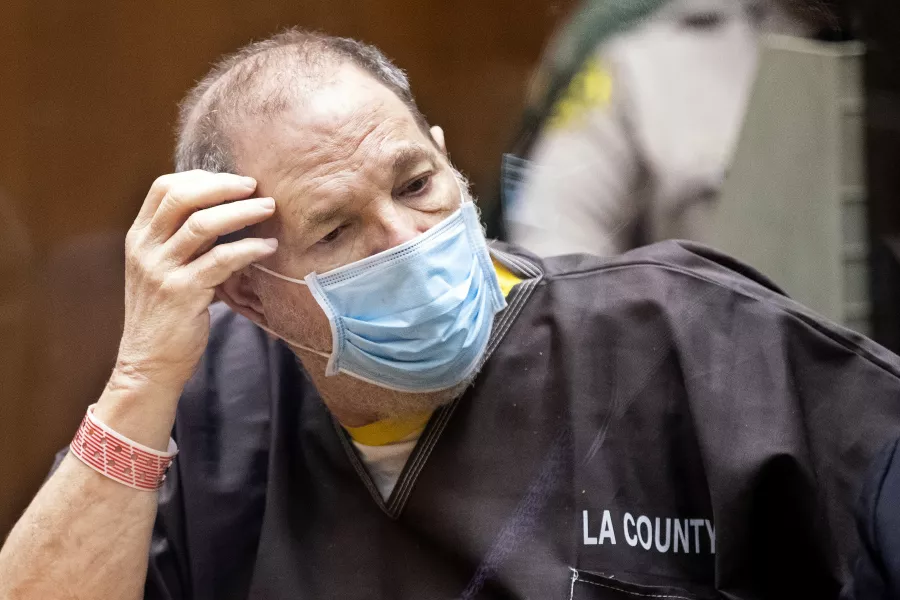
{"points": [[266, 202], [271, 243], [249, 182]]}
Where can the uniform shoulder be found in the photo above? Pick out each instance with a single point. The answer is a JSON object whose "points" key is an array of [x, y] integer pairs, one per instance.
{"points": [[672, 272], [680, 259]]}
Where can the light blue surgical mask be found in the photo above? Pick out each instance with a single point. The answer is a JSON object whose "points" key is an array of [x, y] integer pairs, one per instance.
{"points": [[416, 317]]}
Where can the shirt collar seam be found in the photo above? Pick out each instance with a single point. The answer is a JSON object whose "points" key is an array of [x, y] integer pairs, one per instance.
{"points": [[423, 448]]}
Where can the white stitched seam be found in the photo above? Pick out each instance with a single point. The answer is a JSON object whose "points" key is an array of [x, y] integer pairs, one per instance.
{"points": [[421, 456], [365, 476], [361, 471], [399, 497], [406, 487], [525, 266], [420, 459], [521, 264], [617, 589], [524, 293], [518, 303], [515, 308], [430, 441], [396, 500]]}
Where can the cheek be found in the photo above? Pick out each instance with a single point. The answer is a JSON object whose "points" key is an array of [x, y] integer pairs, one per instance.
{"points": [[448, 199], [293, 312], [426, 222]]}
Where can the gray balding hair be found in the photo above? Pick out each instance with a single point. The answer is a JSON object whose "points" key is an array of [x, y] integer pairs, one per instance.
{"points": [[264, 78]]}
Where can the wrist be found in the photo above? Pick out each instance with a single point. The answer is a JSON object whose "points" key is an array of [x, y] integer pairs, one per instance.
{"points": [[118, 457], [138, 378], [139, 407]]}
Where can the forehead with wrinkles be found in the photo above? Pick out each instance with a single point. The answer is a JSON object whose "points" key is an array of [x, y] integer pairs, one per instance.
{"points": [[345, 124]]}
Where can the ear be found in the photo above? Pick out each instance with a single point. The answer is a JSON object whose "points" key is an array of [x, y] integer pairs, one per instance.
{"points": [[239, 294], [437, 134]]}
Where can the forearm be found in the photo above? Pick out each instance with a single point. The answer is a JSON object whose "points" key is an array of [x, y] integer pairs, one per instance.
{"points": [[84, 535]]}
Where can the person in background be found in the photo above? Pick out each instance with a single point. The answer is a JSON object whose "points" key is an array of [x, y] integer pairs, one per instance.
{"points": [[632, 121]]}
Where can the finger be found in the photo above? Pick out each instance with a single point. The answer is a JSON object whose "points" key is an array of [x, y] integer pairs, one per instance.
{"points": [[190, 194], [202, 228], [217, 265], [152, 200], [158, 190]]}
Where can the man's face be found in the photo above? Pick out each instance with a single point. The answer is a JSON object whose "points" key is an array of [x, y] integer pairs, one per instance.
{"points": [[352, 174]]}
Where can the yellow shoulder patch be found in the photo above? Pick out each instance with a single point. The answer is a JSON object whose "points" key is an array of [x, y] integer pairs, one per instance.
{"points": [[589, 90]]}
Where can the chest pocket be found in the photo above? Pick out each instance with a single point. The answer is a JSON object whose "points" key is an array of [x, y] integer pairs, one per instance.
{"points": [[586, 585]]}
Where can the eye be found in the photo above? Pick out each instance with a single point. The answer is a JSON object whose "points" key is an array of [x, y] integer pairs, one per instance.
{"points": [[332, 236], [416, 186]]}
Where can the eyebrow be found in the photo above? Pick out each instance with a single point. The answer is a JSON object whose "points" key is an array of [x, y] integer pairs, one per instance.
{"points": [[316, 217], [401, 159], [407, 156]]}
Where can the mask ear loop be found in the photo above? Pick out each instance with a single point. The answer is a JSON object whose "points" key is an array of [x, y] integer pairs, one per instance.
{"points": [[292, 342], [281, 337], [278, 275]]}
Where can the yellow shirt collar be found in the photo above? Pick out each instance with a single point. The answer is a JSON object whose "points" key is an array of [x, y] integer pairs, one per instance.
{"points": [[507, 280]]}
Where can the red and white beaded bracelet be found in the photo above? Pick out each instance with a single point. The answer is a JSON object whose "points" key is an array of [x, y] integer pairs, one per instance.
{"points": [[120, 458]]}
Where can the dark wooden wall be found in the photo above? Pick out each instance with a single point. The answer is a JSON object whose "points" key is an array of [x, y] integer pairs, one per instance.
{"points": [[87, 105]]}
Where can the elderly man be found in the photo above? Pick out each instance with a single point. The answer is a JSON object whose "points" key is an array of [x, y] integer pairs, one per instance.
{"points": [[433, 416]]}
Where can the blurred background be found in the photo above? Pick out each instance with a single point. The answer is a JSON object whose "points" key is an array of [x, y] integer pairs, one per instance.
{"points": [[769, 129]]}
